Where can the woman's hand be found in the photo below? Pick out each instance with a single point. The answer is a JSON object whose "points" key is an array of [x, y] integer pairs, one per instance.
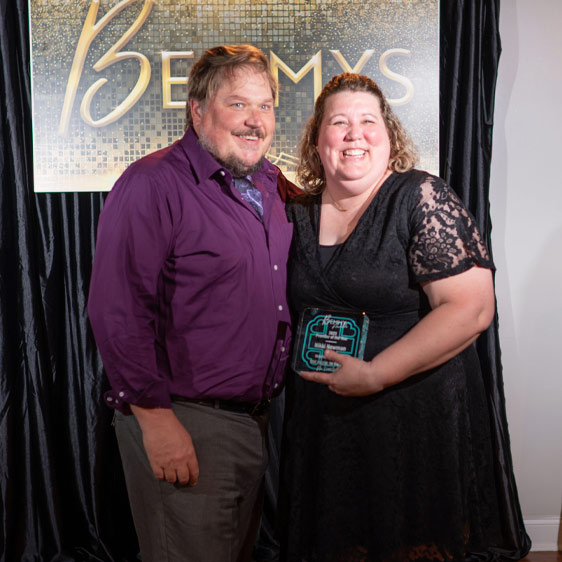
{"points": [[462, 306], [353, 378]]}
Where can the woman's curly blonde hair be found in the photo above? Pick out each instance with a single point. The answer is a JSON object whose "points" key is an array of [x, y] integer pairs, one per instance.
{"points": [[310, 172]]}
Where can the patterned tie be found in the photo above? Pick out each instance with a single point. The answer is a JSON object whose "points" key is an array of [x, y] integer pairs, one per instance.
{"points": [[250, 193]]}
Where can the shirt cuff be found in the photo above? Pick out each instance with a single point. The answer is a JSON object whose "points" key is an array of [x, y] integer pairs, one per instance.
{"points": [[120, 400]]}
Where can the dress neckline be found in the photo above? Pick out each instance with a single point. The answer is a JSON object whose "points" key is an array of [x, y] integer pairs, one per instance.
{"points": [[318, 211]]}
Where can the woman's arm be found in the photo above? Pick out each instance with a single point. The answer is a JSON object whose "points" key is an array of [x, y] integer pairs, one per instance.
{"points": [[462, 306]]}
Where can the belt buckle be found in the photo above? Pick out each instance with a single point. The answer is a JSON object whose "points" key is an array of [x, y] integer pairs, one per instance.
{"points": [[260, 406]]}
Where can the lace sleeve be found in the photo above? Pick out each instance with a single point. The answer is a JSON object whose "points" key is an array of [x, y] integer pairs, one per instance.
{"points": [[444, 237]]}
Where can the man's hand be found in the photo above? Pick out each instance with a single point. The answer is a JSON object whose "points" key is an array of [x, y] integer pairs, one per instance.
{"points": [[168, 445]]}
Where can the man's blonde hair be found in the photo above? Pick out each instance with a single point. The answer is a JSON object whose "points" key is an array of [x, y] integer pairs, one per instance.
{"points": [[219, 63]]}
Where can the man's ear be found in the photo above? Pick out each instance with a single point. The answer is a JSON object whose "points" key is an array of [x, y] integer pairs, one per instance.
{"points": [[196, 108]]}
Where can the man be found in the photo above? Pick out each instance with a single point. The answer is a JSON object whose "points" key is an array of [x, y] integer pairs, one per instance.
{"points": [[188, 307]]}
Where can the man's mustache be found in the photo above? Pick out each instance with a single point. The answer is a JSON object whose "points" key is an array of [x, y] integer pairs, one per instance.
{"points": [[251, 133]]}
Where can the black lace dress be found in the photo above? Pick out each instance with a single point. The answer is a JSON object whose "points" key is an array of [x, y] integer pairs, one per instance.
{"points": [[405, 474]]}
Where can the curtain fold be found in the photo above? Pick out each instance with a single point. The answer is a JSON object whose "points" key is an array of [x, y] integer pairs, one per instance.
{"points": [[62, 494], [470, 51]]}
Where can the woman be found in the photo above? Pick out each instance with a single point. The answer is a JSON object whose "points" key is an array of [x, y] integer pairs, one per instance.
{"points": [[387, 458]]}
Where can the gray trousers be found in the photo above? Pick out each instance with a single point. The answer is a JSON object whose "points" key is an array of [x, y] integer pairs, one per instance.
{"points": [[216, 520]]}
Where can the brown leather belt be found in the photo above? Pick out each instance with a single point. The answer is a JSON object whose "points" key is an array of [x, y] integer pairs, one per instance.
{"points": [[250, 408]]}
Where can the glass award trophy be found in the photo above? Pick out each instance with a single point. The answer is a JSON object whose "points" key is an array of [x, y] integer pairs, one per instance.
{"points": [[319, 329]]}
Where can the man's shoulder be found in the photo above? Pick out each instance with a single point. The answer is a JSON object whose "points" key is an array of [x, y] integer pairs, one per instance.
{"points": [[160, 161], [163, 169], [287, 189]]}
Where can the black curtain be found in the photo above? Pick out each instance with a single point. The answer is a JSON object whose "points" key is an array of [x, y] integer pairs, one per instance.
{"points": [[62, 495], [470, 51]]}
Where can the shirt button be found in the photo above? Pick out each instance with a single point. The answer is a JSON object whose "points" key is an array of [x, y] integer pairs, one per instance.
{"points": [[282, 348], [109, 399], [276, 385], [280, 307], [275, 268], [222, 173], [121, 394]]}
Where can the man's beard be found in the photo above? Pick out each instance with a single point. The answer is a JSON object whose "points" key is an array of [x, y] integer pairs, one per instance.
{"points": [[238, 168]]}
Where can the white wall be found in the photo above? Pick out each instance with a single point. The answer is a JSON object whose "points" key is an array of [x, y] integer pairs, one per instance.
{"points": [[526, 208]]}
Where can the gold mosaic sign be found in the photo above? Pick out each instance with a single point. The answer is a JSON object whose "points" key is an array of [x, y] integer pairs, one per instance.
{"points": [[109, 77]]}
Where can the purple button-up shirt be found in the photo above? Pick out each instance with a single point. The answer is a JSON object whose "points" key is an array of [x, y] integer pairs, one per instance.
{"points": [[188, 290]]}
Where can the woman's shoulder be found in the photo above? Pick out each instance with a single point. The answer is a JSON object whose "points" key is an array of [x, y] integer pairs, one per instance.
{"points": [[415, 178], [417, 186], [301, 204]]}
